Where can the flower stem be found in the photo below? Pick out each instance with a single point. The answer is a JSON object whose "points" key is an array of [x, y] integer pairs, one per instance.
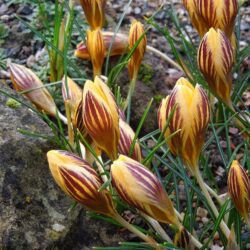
{"points": [[62, 118], [164, 57], [157, 227], [200, 181], [137, 232]]}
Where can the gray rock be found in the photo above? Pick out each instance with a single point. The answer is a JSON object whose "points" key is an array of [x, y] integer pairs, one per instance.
{"points": [[34, 212]]}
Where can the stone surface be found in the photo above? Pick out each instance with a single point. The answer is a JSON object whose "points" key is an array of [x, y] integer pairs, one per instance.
{"points": [[34, 212]]}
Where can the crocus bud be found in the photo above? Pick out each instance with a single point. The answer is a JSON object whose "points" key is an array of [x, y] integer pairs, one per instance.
{"points": [[72, 93], [100, 116], [197, 20], [215, 59], [94, 12], [239, 189], [119, 45], [141, 189], [181, 238], [162, 116], [191, 117], [135, 34], [219, 14], [96, 49], [80, 181], [126, 138], [24, 79]]}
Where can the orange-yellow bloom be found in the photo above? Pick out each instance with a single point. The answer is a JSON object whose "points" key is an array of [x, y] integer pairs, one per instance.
{"points": [[135, 34], [162, 116], [119, 46], [94, 12], [219, 14], [24, 79], [141, 189], [96, 49], [80, 181], [215, 59], [191, 117], [100, 116], [239, 189], [126, 138], [206, 14]]}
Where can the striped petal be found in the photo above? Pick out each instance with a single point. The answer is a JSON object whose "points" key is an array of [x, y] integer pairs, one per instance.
{"points": [[191, 116], [182, 239], [141, 189], [72, 93], [135, 33], [126, 138], [24, 79], [197, 20], [100, 116], [215, 59], [94, 12], [219, 14], [118, 47], [239, 188], [80, 181]]}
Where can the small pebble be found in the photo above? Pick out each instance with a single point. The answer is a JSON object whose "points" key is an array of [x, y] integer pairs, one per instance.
{"points": [[202, 212], [58, 227]]}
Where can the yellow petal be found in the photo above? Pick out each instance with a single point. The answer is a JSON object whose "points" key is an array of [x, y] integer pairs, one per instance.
{"points": [[100, 116], [96, 49], [197, 20], [191, 116], [94, 12], [141, 189], [215, 59], [24, 79], [135, 33], [80, 181], [239, 188]]}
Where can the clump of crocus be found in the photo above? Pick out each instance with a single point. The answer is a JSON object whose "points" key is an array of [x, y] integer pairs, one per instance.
{"points": [[206, 14], [25, 80], [215, 59], [100, 116], [118, 47], [191, 117], [136, 34], [94, 11], [141, 189], [96, 49], [126, 138], [80, 181], [239, 189]]}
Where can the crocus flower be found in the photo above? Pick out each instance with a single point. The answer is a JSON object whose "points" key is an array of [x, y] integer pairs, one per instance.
{"points": [[215, 59], [80, 181], [135, 34], [191, 117], [94, 12], [126, 138], [239, 189], [206, 14], [24, 79], [96, 49], [119, 46], [141, 189], [100, 116]]}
